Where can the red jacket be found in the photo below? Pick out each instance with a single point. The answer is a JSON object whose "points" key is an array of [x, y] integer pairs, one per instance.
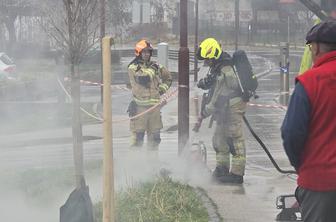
{"points": [[318, 161]]}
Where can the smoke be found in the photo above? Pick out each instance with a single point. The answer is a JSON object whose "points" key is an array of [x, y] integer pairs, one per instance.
{"points": [[17, 206], [143, 165], [39, 194], [136, 166], [190, 167]]}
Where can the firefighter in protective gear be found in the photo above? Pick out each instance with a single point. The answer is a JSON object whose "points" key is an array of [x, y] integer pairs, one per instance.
{"points": [[148, 81], [328, 6], [227, 108]]}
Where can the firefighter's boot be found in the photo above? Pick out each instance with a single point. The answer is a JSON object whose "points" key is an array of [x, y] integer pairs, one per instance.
{"points": [[154, 140], [137, 140], [231, 178], [220, 171]]}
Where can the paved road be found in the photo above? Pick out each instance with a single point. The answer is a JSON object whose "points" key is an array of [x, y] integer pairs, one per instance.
{"points": [[254, 201]]}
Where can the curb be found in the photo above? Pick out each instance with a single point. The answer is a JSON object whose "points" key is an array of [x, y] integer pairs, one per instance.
{"points": [[209, 204]]}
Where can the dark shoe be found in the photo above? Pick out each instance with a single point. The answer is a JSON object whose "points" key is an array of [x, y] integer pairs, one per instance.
{"points": [[220, 171], [231, 178]]}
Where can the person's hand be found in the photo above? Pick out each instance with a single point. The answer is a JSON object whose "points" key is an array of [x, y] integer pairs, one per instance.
{"points": [[162, 89]]}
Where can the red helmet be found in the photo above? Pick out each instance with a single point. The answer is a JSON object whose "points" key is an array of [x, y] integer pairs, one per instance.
{"points": [[141, 45]]}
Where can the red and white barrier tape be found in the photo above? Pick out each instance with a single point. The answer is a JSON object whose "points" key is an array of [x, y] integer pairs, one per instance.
{"points": [[164, 100], [121, 87]]}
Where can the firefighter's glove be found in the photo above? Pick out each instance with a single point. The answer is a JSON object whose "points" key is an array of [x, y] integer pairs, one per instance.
{"points": [[143, 80], [207, 82], [201, 84], [132, 109], [163, 88]]}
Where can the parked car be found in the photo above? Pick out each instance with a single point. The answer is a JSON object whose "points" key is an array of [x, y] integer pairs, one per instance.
{"points": [[7, 67]]}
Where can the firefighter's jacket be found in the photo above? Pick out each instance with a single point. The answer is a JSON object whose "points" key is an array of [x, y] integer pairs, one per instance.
{"points": [[148, 81], [225, 92]]}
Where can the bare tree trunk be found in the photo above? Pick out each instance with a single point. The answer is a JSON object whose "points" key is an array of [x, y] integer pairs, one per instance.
{"points": [[73, 25], [77, 128], [75, 95]]}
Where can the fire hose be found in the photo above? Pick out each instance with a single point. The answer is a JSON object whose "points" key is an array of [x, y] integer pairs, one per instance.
{"points": [[266, 149]]}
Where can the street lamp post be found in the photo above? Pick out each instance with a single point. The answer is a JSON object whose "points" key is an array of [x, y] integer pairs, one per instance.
{"points": [[236, 23], [141, 12], [196, 43], [102, 34], [183, 79]]}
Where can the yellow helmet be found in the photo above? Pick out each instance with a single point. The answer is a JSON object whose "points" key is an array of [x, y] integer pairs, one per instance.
{"points": [[209, 49]]}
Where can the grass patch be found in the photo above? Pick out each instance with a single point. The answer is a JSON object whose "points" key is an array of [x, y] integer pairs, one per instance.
{"points": [[161, 201]]}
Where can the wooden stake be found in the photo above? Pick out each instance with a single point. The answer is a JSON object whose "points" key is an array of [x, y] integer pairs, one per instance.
{"points": [[108, 186]]}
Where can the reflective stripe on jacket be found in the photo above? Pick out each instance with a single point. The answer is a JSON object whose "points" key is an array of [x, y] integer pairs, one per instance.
{"points": [[159, 81]]}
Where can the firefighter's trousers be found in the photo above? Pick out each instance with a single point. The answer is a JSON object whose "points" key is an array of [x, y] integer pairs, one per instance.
{"points": [[151, 123], [228, 140]]}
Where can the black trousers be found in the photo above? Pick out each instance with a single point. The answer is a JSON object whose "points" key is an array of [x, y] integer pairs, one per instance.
{"points": [[316, 206]]}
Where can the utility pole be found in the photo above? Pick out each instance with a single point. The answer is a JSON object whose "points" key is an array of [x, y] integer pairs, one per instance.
{"points": [[196, 43], [183, 79], [236, 23], [141, 12], [288, 29], [102, 34]]}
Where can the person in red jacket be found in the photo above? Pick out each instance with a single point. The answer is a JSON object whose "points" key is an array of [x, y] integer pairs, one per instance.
{"points": [[309, 128]]}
